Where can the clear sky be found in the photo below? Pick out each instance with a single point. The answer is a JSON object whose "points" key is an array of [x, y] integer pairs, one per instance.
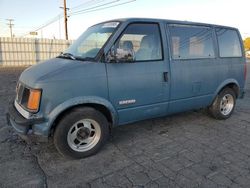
{"points": [[30, 14]]}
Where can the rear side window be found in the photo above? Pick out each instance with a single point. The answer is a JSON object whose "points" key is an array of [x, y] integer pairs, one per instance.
{"points": [[229, 43], [191, 42]]}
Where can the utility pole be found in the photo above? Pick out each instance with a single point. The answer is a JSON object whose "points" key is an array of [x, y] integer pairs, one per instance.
{"points": [[65, 19], [10, 24]]}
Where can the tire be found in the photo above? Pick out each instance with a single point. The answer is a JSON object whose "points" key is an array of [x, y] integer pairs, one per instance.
{"points": [[223, 105], [81, 133]]}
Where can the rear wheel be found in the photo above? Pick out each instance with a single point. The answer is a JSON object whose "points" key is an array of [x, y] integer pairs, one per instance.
{"points": [[81, 133], [223, 105]]}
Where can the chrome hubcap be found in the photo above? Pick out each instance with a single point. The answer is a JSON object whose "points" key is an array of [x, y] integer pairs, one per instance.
{"points": [[227, 104], [84, 135]]}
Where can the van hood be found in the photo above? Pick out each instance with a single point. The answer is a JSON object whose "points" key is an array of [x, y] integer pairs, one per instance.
{"points": [[54, 70]]}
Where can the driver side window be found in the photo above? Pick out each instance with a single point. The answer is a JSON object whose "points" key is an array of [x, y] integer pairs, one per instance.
{"points": [[139, 42]]}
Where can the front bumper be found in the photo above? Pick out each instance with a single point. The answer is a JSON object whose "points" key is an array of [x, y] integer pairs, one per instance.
{"points": [[22, 125]]}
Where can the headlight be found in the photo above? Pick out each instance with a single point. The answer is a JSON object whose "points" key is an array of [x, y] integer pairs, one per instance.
{"points": [[34, 100], [28, 98]]}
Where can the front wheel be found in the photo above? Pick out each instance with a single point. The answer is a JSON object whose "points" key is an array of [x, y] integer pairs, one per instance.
{"points": [[223, 105], [81, 133]]}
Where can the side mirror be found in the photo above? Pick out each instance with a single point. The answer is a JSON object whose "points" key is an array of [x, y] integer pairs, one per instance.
{"points": [[110, 57], [120, 55]]}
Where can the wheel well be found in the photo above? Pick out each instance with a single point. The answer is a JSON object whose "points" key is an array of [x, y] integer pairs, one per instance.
{"points": [[105, 111], [234, 87]]}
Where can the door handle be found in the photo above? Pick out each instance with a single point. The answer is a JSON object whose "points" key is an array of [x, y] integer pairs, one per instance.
{"points": [[165, 76]]}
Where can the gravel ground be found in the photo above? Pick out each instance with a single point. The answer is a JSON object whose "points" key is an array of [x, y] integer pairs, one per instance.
{"points": [[185, 150]]}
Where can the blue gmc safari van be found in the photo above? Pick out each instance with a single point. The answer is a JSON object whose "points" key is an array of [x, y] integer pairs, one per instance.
{"points": [[126, 70]]}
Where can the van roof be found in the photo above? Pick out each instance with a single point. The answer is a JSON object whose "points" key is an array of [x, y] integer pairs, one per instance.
{"points": [[168, 21]]}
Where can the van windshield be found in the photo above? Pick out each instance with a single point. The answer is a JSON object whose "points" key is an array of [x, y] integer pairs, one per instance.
{"points": [[91, 41]]}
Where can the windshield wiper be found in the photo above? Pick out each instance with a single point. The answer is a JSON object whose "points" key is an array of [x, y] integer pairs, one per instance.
{"points": [[85, 58], [67, 55]]}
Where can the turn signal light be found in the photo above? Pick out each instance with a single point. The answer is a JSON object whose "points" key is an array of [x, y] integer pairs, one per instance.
{"points": [[34, 100]]}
